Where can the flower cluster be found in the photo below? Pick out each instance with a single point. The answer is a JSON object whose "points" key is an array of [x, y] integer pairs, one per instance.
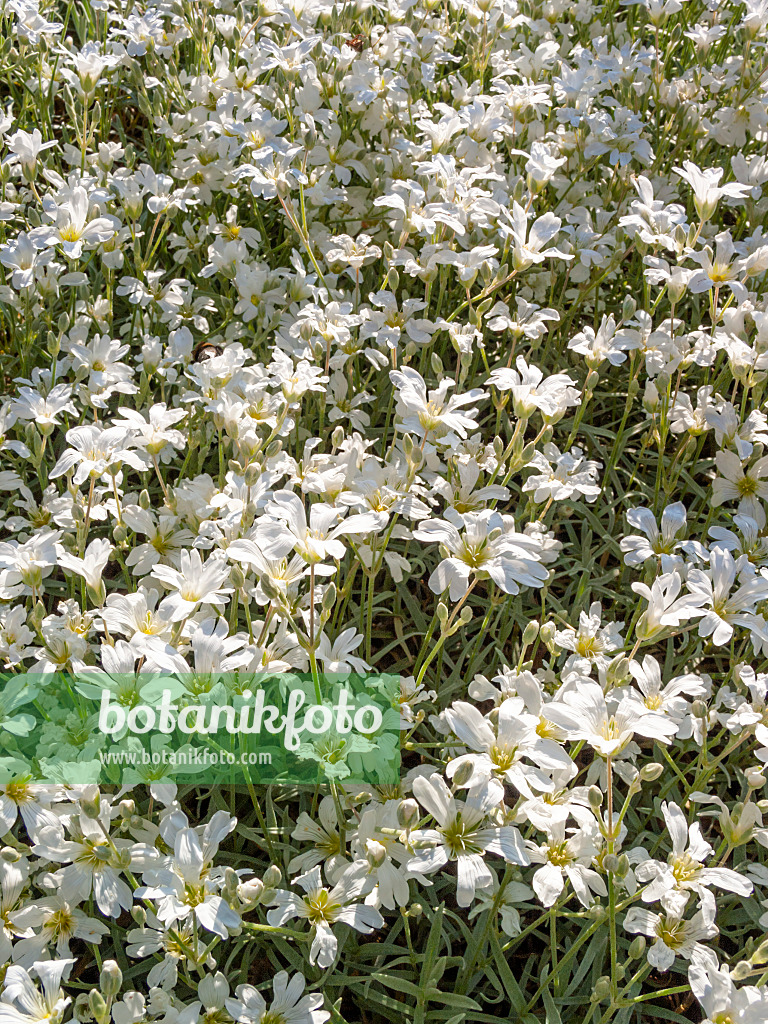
{"points": [[412, 336]]}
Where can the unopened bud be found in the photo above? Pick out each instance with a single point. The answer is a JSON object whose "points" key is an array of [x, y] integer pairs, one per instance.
{"points": [[530, 633], [96, 1004], [329, 597], [651, 397], [144, 500], [437, 365], [637, 947], [442, 614], [110, 979], [527, 453], [611, 862], [463, 774], [547, 635], [699, 709], [601, 990], [139, 915], [628, 307], [595, 797], [237, 576], [375, 854], [251, 891], [618, 670], [407, 814], [9, 855], [337, 437], [90, 803], [742, 970], [272, 876], [651, 772]]}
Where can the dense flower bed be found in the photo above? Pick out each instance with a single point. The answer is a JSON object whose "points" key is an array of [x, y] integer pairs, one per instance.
{"points": [[423, 336]]}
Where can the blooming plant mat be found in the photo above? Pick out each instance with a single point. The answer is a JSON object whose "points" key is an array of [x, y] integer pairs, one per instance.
{"points": [[383, 382]]}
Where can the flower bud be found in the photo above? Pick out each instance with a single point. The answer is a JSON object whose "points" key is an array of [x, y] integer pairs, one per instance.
{"points": [[699, 709], [595, 797], [601, 990], [651, 772], [110, 979], [139, 915], [237, 576], [637, 947], [741, 971], [651, 397], [272, 877], [90, 802], [250, 892], [251, 474], [530, 633], [463, 774], [144, 500], [407, 813], [611, 863], [96, 1004], [9, 855], [375, 854], [547, 636], [329, 597], [618, 670]]}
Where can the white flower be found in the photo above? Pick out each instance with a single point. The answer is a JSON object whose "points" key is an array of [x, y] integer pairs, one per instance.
{"points": [[323, 908], [531, 390], [674, 936], [584, 714], [433, 414], [195, 582], [657, 541], [706, 192], [71, 228], [288, 1005], [21, 1002], [463, 834], [710, 599], [684, 873], [529, 246], [185, 883], [721, 1001], [502, 747], [748, 487], [566, 856], [484, 551], [91, 566]]}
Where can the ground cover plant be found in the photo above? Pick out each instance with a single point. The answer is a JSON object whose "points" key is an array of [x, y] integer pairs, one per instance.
{"points": [[427, 337]]}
